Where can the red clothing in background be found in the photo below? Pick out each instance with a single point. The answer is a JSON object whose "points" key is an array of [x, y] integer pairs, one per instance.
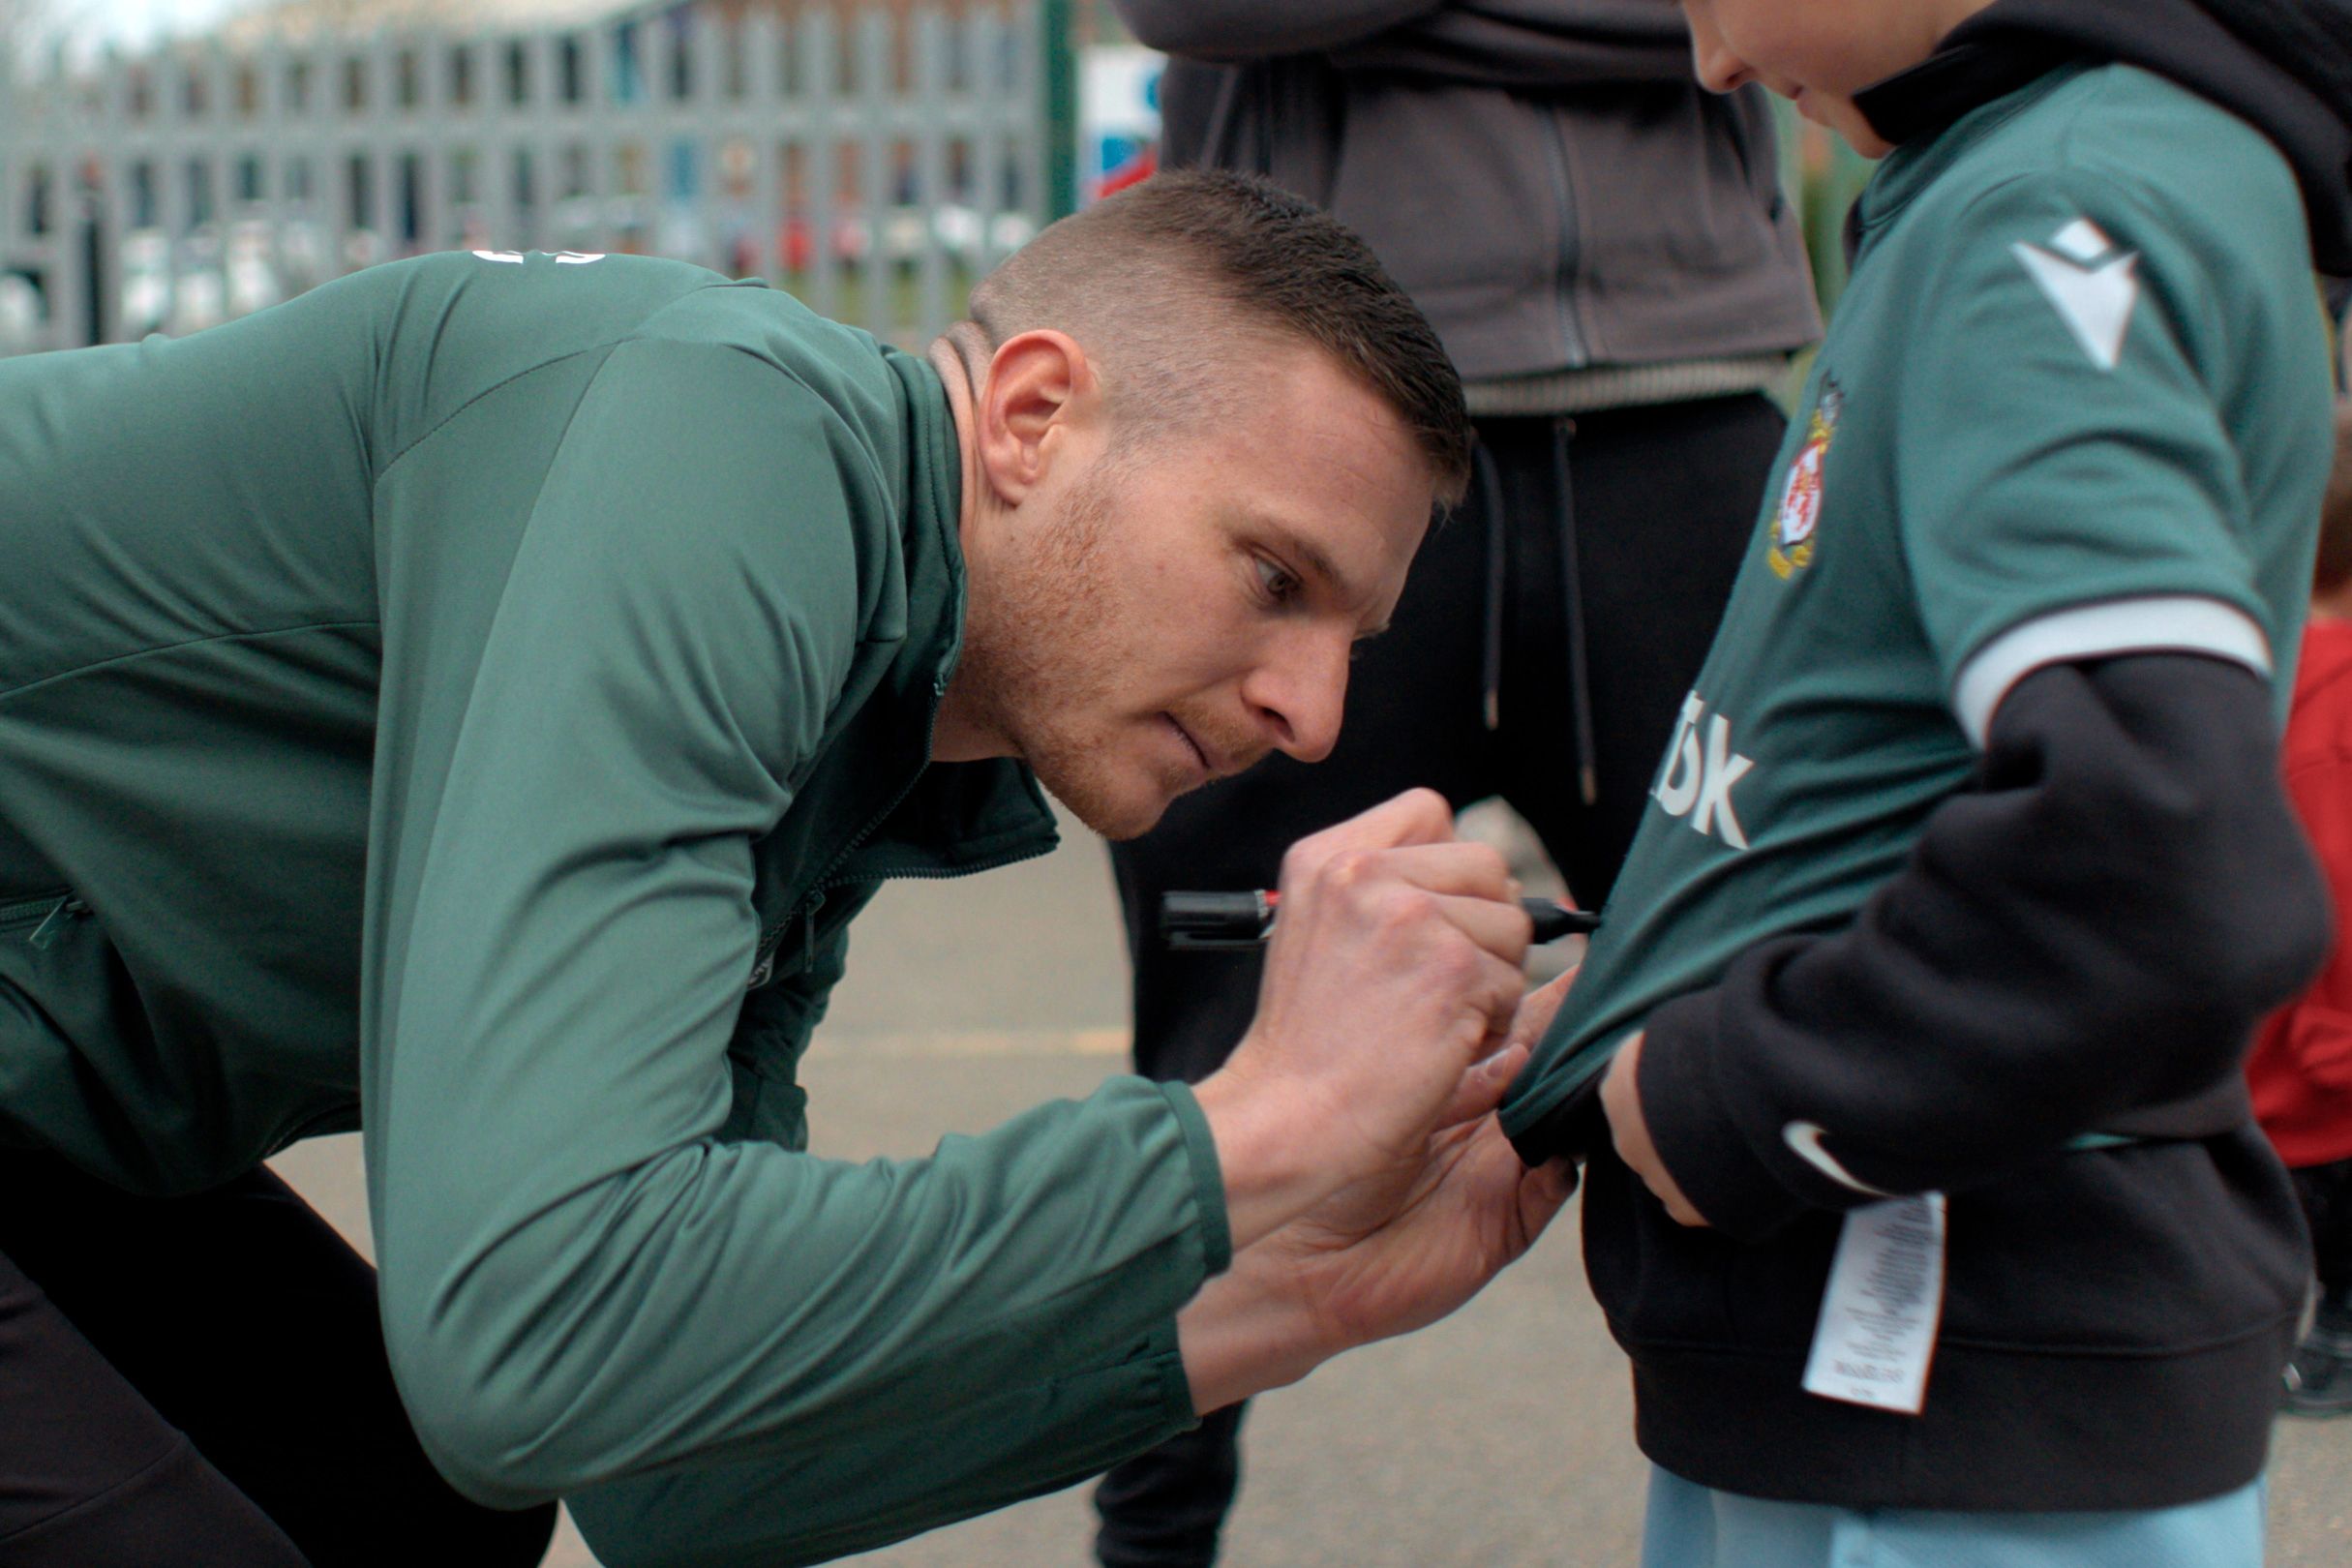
{"points": [[2301, 1071]]}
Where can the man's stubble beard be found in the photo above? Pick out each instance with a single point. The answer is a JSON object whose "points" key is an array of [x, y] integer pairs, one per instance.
{"points": [[1040, 653]]}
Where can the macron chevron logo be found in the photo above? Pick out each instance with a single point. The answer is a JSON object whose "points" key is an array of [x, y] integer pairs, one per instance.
{"points": [[2092, 285]]}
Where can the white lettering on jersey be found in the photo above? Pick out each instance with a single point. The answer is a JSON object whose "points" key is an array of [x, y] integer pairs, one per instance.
{"points": [[2094, 298], [1679, 790], [1699, 778], [1723, 771]]}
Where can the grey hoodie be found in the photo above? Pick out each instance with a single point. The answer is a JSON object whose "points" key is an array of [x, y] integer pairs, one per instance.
{"points": [[1543, 176]]}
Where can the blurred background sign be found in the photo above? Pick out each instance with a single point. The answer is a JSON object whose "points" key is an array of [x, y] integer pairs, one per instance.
{"points": [[1117, 117]]}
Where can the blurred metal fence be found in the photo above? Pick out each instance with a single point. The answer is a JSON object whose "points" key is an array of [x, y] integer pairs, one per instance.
{"points": [[875, 165], [1825, 177]]}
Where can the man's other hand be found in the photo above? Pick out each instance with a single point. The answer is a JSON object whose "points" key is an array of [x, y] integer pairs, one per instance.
{"points": [[1381, 1256], [1394, 968]]}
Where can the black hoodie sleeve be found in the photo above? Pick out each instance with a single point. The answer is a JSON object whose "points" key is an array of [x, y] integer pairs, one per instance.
{"points": [[2096, 927]]}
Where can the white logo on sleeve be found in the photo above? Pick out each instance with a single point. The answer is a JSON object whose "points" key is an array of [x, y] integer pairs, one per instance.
{"points": [[2094, 285], [1805, 1138], [1699, 778]]}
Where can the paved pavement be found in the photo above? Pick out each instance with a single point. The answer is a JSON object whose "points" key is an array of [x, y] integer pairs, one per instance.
{"points": [[1498, 1438]]}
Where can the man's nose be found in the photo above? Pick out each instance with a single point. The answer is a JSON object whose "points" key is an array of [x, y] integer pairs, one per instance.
{"points": [[1298, 694]]}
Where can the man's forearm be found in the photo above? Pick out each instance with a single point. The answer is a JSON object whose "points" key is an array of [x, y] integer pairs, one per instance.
{"points": [[1258, 1156], [1241, 1337]]}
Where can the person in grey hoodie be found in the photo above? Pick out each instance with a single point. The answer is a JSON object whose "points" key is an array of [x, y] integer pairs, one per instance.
{"points": [[1606, 252]]}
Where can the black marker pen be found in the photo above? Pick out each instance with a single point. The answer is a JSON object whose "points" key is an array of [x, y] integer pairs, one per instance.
{"points": [[1199, 920]]}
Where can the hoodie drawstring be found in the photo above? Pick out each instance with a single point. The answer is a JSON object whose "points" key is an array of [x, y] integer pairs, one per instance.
{"points": [[1488, 479], [1572, 607], [1498, 574]]}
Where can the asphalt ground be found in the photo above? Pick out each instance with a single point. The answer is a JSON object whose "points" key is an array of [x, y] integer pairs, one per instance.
{"points": [[1499, 1438]]}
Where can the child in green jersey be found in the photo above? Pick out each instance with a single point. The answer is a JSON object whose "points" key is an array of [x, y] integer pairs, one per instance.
{"points": [[1931, 1209]]}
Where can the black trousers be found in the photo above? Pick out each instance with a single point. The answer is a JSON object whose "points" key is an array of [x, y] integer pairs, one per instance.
{"points": [[202, 1382], [1570, 602], [2325, 1192]]}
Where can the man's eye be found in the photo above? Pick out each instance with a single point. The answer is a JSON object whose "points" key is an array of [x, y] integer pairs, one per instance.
{"points": [[1279, 586]]}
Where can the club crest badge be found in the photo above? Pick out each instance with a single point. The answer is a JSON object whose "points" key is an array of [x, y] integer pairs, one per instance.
{"points": [[1800, 499]]}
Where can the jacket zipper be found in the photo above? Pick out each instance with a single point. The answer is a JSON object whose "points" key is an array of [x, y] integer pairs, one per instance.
{"points": [[764, 965], [763, 956], [1571, 329], [40, 918]]}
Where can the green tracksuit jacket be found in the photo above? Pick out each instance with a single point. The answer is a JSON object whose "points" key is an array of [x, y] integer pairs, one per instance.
{"points": [[469, 704]]}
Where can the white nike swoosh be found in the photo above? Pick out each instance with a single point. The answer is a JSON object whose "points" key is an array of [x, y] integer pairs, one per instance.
{"points": [[1805, 1138]]}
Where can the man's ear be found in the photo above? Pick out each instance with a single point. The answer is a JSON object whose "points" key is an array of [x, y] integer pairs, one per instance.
{"points": [[1040, 391]]}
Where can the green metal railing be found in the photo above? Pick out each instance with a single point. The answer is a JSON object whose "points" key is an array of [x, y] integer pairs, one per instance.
{"points": [[1059, 83], [1823, 177]]}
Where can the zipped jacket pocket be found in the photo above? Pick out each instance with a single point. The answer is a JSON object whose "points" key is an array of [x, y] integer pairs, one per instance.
{"points": [[39, 921]]}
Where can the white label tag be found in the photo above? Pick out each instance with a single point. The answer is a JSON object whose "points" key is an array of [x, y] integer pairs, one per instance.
{"points": [[1886, 1295]]}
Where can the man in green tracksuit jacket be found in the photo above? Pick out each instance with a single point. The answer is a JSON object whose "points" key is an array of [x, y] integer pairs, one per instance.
{"points": [[470, 703]]}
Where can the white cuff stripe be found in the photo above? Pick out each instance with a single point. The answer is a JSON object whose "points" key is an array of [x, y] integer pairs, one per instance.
{"points": [[2176, 625]]}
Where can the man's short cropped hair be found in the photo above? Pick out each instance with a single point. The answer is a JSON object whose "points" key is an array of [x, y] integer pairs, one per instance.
{"points": [[1173, 286], [2335, 565]]}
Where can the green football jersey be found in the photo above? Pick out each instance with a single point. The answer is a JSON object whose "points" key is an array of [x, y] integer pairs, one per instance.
{"points": [[2034, 435]]}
